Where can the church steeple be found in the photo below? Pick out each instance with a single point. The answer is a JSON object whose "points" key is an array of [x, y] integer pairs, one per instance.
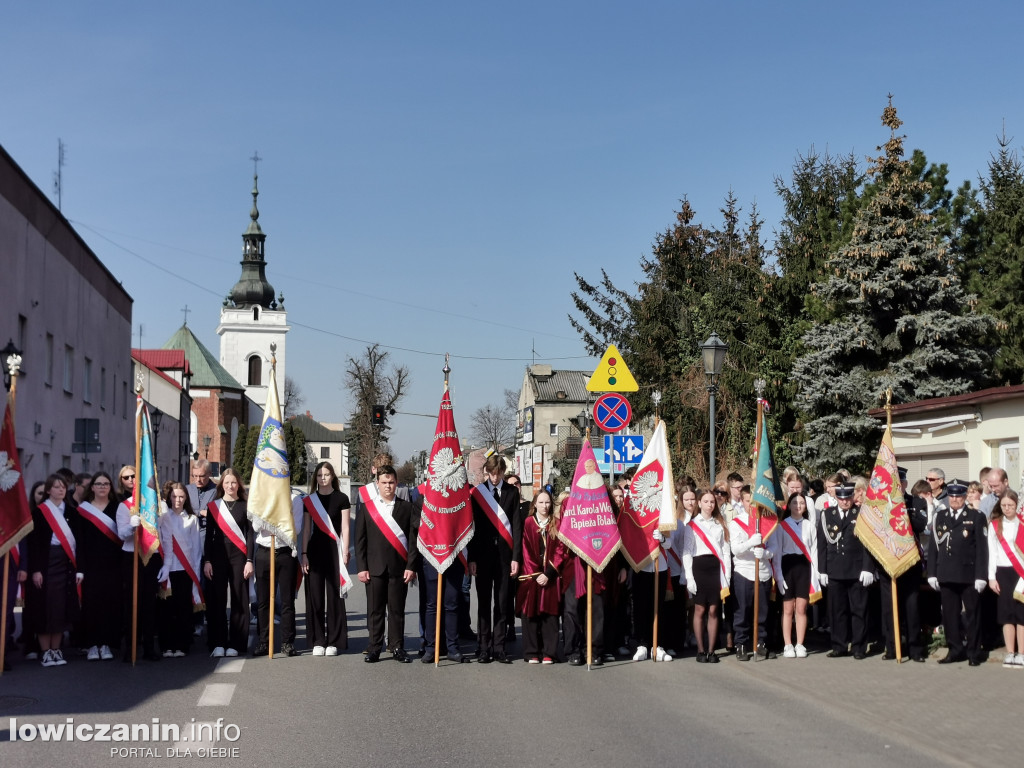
{"points": [[252, 288]]}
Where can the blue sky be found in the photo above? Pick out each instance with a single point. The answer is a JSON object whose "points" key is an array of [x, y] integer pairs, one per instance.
{"points": [[433, 173]]}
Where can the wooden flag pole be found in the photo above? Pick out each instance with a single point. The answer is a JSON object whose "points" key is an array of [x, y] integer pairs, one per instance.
{"points": [[7, 555], [892, 580], [590, 616], [654, 636], [757, 512], [134, 639], [439, 611], [270, 616]]}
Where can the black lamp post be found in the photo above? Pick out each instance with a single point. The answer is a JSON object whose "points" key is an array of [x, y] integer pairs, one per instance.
{"points": [[713, 350], [206, 446], [155, 418]]}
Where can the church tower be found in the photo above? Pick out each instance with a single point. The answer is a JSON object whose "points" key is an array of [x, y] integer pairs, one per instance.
{"points": [[251, 319]]}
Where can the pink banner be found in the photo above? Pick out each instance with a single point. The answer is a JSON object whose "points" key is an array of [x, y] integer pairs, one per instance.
{"points": [[587, 524]]}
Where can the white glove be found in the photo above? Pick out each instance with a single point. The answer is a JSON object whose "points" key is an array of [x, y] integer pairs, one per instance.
{"points": [[79, 577], [163, 574], [135, 521], [823, 579], [933, 583], [658, 536], [867, 578], [691, 586], [758, 552], [979, 584], [755, 540], [785, 586]]}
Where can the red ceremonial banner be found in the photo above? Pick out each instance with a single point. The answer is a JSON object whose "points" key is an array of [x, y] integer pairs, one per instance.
{"points": [[446, 522], [15, 517], [587, 525]]}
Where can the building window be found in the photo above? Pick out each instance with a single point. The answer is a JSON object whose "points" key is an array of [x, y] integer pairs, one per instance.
{"points": [[103, 388], [552, 430], [49, 360], [87, 381], [69, 368], [22, 332], [256, 313], [325, 452], [255, 371]]}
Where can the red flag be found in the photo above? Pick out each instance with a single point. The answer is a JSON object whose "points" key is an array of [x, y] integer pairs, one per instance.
{"points": [[588, 525], [650, 503], [15, 517], [446, 523]]}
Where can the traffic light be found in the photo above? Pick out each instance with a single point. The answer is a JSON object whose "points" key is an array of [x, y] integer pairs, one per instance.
{"points": [[378, 416]]}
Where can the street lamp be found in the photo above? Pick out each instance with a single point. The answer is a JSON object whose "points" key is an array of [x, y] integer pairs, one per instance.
{"points": [[713, 351], [155, 418], [206, 446], [582, 420], [8, 351]]}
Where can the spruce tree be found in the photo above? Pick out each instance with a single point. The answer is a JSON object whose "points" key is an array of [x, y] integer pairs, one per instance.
{"points": [[899, 319]]}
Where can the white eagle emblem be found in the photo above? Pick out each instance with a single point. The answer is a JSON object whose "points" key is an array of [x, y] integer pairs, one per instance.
{"points": [[8, 474], [645, 495], [447, 471]]}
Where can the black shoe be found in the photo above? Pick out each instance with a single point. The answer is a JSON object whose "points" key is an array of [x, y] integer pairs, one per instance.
{"points": [[763, 653], [458, 658], [702, 658], [918, 658], [836, 654], [889, 655], [951, 658], [859, 655], [712, 657], [260, 650], [401, 656], [575, 660], [372, 657], [974, 662], [427, 658], [502, 658], [742, 654], [151, 656], [485, 658], [598, 660], [730, 649], [287, 649]]}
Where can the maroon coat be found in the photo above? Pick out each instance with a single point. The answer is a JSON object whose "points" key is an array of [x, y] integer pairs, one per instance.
{"points": [[542, 553]]}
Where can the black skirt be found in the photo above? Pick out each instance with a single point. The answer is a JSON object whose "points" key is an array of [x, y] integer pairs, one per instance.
{"points": [[706, 569], [1008, 610], [796, 571]]}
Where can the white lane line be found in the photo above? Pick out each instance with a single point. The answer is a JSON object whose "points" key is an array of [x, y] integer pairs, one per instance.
{"points": [[204, 735], [229, 665], [217, 695]]}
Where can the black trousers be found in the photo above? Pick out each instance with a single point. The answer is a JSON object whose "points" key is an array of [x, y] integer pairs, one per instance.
{"points": [[326, 620], [148, 589], [174, 614], [908, 591], [953, 596], [574, 623], [285, 571], [450, 592], [102, 606], [228, 579], [387, 596], [540, 636], [848, 603], [643, 605], [743, 619], [493, 596]]}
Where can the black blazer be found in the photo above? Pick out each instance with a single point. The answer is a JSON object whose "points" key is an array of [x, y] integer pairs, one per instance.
{"points": [[959, 547], [847, 557], [487, 545], [39, 538], [374, 552]]}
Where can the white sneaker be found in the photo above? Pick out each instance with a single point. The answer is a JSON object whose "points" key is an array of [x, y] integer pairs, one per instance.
{"points": [[231, 652], [661, 655], [641, 653], [1018, 661], [331, 650], [218, 652], [318, 650], [93, 655], [168, 654], [1009, 660], [105, 653], [801, 652], [179, 654], [31, 656], [789, 652], [58, 657], [48, 660], [533, 660]]}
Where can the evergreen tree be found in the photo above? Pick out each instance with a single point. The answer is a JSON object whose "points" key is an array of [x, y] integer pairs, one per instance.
{"points": [[295, 443], [900, 319], [248, 456], [238, 462]]}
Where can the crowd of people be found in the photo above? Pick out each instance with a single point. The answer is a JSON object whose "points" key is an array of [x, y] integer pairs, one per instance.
{"points": [[805, 571]]}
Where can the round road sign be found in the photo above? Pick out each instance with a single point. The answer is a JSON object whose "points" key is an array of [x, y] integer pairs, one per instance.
{"points": [[612, 412]]}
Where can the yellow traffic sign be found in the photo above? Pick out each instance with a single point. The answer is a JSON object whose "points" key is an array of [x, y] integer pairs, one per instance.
{"points": [[611, 374]]}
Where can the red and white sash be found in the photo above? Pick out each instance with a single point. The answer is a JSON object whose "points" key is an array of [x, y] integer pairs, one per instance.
{"points": [[61, 530], [795, 535], [385, 522], [198, 601], [1015, 552], [723, 573], [323, 522], [227, 524], [494, 512], [765, 525], [97, 517]]}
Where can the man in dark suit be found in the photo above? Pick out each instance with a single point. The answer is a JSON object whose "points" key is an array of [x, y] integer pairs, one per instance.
{"points": [[495, 511], [846, 569], [387, 553], [957, 569]]}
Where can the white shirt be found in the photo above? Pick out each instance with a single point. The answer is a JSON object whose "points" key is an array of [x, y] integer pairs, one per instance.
{"points": [[743, 550], [997, 557]]}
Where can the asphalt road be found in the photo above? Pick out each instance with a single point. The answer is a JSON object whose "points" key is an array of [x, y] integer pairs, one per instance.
{"points": [[341, 712]]}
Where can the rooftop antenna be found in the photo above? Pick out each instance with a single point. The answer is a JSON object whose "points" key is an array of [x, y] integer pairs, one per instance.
{"points": [[58, 177]]}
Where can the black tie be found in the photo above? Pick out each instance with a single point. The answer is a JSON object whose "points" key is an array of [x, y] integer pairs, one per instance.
{"points": [[496, 497]]}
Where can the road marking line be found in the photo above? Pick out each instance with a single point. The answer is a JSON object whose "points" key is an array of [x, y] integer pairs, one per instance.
{"points": [[217, 695], [229, 665]]}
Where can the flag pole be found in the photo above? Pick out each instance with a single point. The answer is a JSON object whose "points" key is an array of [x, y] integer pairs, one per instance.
{"points": [[13, 362], [590, 582], [135, 510], [759, 385], [270, 616], [892, 579], [654, 635], [439, 611]]}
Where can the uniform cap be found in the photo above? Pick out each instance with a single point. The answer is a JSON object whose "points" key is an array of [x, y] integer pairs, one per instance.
{"points": [[845, 491], [956, 488]]}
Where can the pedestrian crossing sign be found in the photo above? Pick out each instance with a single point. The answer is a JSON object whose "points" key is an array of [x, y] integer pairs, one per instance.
{"points": [[611, 374]]}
